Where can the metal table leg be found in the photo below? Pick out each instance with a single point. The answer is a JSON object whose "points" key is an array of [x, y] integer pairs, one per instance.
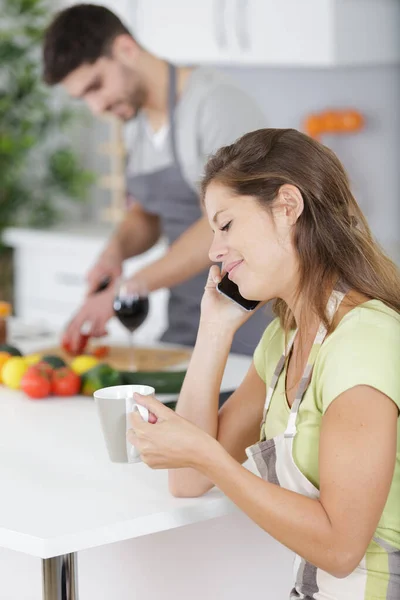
{"points": [[60, 577]]}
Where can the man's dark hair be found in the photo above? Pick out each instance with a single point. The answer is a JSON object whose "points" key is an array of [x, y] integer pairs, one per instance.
{"points": [[78, 35]]}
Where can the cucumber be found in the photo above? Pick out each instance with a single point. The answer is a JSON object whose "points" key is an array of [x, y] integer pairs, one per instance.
{"points": [[171, 405], [164, 382], [12, 350], [54, 361]]}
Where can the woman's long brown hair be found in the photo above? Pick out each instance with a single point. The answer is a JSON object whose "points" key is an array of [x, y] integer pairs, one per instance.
{"points": [[331, 236]]}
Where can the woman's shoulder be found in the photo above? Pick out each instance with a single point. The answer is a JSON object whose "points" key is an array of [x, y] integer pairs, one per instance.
{"points": [[370, 319], [364, 349]]}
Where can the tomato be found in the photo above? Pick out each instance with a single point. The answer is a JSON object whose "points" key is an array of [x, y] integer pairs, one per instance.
{"points": [[65, 382], [101, 351], [36, 382], [45, 368], [82, 343]]}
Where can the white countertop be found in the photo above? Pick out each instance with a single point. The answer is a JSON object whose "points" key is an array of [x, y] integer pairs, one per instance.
{"points": [[59, 491]]}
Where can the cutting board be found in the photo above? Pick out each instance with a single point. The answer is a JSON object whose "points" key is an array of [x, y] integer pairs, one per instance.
{"points": [[145, 359]]}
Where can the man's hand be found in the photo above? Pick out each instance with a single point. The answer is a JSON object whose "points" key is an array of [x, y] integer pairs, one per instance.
{"points": [[95, 312], [109, 265]]}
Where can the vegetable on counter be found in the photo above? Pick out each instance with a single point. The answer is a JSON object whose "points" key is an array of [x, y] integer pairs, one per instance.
{"points": [[82, 343], [36, 382], [12, 372], [81, 364], [10, 349], [33, 359], [4, 356], [98, 377], [101, 351], [54, 361], [40, 376], [164, 382], [64, 382]]}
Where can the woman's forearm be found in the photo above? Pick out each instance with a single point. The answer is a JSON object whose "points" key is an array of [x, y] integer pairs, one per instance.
{"points": [[297, 522], [198, 400]]}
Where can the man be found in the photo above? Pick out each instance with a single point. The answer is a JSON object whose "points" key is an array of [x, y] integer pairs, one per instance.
{"points": [[181, 116]]}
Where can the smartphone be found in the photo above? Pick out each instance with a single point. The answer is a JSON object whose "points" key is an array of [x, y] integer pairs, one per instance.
{"points": [[228, 288]]}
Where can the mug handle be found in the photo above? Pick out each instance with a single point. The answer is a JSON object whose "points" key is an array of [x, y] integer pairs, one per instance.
{"points": [[131, 452]]}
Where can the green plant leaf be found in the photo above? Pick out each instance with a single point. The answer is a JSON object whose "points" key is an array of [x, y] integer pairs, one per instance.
{"points": [[39, 171]]}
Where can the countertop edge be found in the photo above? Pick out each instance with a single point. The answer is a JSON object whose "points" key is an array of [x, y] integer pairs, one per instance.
{"points": [[152, 523]]}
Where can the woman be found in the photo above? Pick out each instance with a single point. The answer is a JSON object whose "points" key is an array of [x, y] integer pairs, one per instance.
{"points": [[286, 226]]}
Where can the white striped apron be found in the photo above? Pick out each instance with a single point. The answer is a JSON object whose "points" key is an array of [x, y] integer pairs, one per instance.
{"points": [[274, 461]]}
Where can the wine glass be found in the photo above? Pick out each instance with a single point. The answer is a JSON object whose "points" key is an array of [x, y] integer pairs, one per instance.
{"points": [[131, 307]]}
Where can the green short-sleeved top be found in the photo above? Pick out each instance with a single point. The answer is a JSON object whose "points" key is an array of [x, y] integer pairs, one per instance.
{"points": [[364, 349]]}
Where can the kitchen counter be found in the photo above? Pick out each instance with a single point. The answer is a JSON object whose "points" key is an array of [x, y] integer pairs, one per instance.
{"points": [[61, 495], [52, 452]]}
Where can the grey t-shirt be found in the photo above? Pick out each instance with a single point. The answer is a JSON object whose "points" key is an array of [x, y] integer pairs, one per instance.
{"points": [[212, 112]]}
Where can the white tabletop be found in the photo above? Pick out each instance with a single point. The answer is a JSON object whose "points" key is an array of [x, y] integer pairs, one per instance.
{"points": [[59, 491]]}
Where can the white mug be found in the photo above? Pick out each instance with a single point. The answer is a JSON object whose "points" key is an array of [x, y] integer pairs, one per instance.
{"points": [[114, 405]]}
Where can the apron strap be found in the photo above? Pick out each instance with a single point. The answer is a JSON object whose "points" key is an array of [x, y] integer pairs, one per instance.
{"points": [[333, 304], [334, 301], [171, 116], [171, 111], [275, 376]]}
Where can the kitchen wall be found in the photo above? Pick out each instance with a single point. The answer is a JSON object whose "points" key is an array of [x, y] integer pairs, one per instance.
{"points": [[372, 156]]}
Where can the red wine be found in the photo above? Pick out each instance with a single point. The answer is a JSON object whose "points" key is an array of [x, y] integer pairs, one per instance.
{"points": [[131, 311]]}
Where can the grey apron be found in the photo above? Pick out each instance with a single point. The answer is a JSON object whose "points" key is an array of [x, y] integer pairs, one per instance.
{"points": [[166, 193]]}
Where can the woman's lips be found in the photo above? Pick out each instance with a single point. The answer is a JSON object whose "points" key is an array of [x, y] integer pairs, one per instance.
{"points": [[232, 266]]}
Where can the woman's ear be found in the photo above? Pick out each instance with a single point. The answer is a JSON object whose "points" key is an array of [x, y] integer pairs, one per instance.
{"points": [[289, 204]]}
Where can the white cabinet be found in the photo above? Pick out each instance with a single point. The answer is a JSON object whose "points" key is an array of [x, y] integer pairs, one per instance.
{"points": [[289, 32], [50, 278], [184, 31], [270, 32]]}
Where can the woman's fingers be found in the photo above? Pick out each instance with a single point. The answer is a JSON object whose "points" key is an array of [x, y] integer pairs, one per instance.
{"points": [[214, 277], [154, 406], [137, 421], [132, 437]]}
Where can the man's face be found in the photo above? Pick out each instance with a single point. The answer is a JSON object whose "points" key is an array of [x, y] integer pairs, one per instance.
{"points": [[107, 86]]}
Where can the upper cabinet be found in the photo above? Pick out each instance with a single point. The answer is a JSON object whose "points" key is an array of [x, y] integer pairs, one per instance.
{"points": [[304, 33], [185, 31]]}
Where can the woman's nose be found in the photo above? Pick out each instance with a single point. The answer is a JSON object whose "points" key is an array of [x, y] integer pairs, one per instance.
{"points": [[217, 250]]}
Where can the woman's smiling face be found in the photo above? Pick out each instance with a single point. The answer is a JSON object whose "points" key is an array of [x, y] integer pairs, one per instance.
{"points": [[254, 246]]}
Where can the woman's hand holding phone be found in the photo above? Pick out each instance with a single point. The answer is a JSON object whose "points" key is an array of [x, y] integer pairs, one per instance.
{"points": [[218, 311]]}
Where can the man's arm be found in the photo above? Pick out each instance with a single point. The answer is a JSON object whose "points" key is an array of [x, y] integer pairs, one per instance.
{"points": [[187, 257], [137, 233]]}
